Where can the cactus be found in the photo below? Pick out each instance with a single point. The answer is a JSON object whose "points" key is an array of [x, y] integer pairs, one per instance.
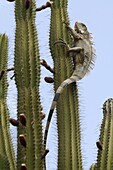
{"points": [[7, 159], [105, 151], [69, 151], [31, 154], [27, 77]]}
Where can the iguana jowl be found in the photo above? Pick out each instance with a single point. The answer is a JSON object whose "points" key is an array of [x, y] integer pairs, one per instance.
{"points": [[83, 58]]}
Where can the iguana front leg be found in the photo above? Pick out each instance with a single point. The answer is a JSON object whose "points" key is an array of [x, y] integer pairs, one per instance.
{"points": [[75, 49], [69, 49]]}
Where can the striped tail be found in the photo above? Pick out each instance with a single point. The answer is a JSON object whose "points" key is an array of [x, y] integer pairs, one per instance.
{"points": [[54, 103]]}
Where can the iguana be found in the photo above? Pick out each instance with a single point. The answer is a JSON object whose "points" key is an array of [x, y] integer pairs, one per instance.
{"points": [[83, 56]]}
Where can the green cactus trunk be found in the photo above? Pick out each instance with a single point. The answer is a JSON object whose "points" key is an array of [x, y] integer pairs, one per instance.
{"points": [[27, 76], [7, 160], [105, 152], [69, 152]]}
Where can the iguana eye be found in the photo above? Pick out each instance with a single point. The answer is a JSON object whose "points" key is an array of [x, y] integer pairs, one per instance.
{"points": [[83, 25]]}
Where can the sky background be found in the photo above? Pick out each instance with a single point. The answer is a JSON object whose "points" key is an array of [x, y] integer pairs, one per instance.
{"points": [[94, 89]]}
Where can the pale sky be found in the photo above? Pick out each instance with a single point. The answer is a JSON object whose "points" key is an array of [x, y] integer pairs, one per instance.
{"points": [[93, 89]]}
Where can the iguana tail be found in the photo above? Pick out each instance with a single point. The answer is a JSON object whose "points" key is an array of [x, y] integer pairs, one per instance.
{"points": [[54, 103]]}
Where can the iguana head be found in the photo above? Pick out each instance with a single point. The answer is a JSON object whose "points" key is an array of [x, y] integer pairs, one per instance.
{"points": [[81, 28]]}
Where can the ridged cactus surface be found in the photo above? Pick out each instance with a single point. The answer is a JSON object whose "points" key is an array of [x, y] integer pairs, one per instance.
{"points": [[27, 76], [7, 159], [69, 152], [93, 167], [105, 149]]}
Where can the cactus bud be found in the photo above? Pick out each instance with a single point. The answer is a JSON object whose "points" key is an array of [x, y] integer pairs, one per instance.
{"points": [[43, 62], [49, 3], [23, 167], [22, 140], [23, 119], [49, 79], [27, 4], [99, 145], [43, 115]]}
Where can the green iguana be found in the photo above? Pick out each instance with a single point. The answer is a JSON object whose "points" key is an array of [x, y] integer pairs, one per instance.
{"points": [[83, 56]]}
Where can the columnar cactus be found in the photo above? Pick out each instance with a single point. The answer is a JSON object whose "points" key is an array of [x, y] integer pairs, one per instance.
{"points": [[7, 159], [27, 77], [105, 150], [69, 151]]}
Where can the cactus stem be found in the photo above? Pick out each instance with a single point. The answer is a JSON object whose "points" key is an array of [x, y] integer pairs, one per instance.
{"points": [[14, 122], [47, 5], [45, 64], [45, 153], [10, 69], [12, 76]]}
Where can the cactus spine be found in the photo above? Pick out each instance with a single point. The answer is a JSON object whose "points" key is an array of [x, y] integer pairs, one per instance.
{"points": [[69, 152], [27, 76], [7, 159]]}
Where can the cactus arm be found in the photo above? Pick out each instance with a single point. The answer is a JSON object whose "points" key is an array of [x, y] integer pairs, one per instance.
{"points": [[6, 149]]}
